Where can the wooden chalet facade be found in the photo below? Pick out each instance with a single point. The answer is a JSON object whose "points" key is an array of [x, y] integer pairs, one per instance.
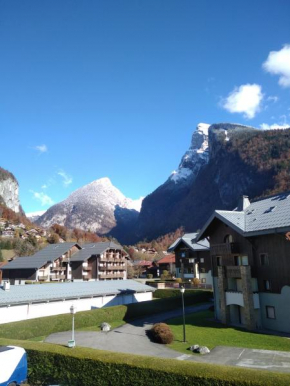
{"points": [[192, 258], [250, 256]]}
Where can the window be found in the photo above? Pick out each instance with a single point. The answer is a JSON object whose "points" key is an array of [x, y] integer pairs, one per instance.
{"points": [[219, 261], [270, 312], [203, 281], [237, 260], [228, 239], [264, 259], [202, 259], [182, 254], [267, 285], [245, 260]]}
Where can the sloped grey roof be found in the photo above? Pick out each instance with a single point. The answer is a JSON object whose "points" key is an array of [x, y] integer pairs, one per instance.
{"points": [[40, 258], [19, 294], [90, 249], [190, 239], [265, 216]]}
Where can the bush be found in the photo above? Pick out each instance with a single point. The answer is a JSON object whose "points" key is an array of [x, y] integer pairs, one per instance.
{"points": [[178, 280], [196, 281], [149, 276], [162, 333]]}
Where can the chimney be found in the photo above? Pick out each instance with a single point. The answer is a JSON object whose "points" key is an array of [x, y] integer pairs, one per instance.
{"points": [[6, 286], [244, 202]]}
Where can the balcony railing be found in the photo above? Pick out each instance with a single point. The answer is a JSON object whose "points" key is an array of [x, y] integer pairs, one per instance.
{"points": [[112, 276], [225, 249], [57, 277], [234, 271], [58, 268], [87, 268], [42, 278]]}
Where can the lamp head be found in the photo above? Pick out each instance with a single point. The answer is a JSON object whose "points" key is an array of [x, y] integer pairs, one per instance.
{"points": [[73, 309], [182, 289]]}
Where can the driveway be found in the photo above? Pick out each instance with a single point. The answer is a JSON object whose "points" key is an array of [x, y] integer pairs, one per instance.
{"points": [[132, 338]]}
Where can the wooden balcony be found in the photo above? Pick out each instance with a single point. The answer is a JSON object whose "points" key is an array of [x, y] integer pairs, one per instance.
{"points": [[111, 276], [87, 268], [58, 269], [43, 278], [225, 249], [57, 277], [234, 271]]}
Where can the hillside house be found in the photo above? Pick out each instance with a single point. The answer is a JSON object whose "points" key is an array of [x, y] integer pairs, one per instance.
{"points": [[192, 258], [250, 255]]}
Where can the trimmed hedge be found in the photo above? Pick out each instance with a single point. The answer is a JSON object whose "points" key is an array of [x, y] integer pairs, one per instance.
{"points": [[192, 296], [50, 364], [32, 328]]}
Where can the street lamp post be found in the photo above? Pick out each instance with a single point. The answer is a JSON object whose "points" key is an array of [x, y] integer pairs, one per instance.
{"points": [[72, 343], [182, 289]]}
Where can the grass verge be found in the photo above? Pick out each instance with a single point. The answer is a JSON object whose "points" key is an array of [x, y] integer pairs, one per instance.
{"points": [[202, 330]]}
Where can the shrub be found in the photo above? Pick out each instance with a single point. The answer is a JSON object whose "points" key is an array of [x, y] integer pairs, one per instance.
{"points": [[178, 280], [162, 333], [149, 276], [196, 281]]}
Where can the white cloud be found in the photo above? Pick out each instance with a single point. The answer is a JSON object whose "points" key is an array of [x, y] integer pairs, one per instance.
{"points": [[41, 148], [43, 198], [274, 126], [278, 63], [244, 99], [283, 124], [67, 180], [272, 98]]}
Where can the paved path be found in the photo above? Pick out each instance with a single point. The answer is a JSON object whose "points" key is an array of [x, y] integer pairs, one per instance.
{"points": [[132, 338], [129, 338]]}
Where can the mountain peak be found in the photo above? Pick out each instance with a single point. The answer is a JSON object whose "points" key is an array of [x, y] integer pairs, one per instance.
{"points": [[195, 157], [105, 181]]}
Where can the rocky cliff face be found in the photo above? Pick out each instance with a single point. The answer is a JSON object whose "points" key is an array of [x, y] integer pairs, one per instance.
{"points": [[9, 190], [220, 166], [98, 207]]}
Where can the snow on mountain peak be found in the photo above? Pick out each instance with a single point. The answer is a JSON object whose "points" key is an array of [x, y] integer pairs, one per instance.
{"points": [[195, 157]]}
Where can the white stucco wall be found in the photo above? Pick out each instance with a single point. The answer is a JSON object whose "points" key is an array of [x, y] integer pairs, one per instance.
{"points": [[38, 310]]}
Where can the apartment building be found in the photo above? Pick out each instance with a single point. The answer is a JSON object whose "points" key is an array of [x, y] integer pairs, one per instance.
{"points": [[250, 256], [48, 264], [100, 261]]}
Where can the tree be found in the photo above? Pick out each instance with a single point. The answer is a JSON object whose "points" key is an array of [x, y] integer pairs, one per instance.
{"points": [[1, 256]]}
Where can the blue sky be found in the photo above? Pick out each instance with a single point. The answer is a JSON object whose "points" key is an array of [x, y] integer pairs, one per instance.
{"points": [[90, 89]]}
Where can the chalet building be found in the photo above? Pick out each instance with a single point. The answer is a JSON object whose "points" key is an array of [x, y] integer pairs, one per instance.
{"points": [[70, 261], [250, 254], [100, 261], [49, 264], [192, 258], [167, 263]]}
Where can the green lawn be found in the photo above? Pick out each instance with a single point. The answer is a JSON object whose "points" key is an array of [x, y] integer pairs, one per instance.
{"points": [[202, 330]]}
